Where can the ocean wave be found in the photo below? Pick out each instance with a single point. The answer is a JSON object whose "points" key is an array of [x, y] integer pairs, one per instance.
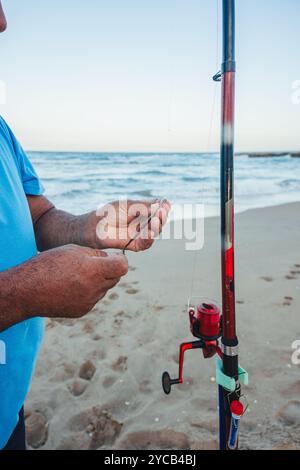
{"points": [[143, 193], [72, 194], [292, 184], [153, 173], [195, 179], [120, 181]]}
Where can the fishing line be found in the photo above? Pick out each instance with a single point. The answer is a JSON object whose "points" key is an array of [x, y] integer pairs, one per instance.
{"points": [[149, 220], [212, 119]]}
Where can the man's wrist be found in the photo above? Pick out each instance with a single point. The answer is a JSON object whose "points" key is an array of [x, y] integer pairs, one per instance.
{"points": [[90, 237]]}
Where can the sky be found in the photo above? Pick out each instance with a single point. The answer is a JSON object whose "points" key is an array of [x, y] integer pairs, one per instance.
{"points": [[135, 75]]}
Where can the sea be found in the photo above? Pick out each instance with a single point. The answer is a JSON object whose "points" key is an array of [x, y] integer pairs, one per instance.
{"points": [[81, 182]]}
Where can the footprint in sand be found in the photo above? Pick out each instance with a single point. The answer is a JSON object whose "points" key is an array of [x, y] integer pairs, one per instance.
{"points": [[132, 291], [267, 279], [162, 439], [240, 302], [88, 327], [293, 391], [159, 308], [109, 381], [96, 337], [63, 372], [204, 445], [97, 355], [87, 371], [118, 322], [294, 273], [113, 296], [121, 364], [98, 424], [128, 285], [124, 285], [287, 302], [132, 268], [146, 386], [78, 387], [123, 314], [36, 430], [290, 413]]}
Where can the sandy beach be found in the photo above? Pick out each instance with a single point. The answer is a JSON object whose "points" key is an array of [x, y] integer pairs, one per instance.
{"points": [[98, 380]]}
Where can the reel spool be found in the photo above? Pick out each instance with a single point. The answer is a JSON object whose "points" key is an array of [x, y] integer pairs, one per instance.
{"points": [[205, 321]]}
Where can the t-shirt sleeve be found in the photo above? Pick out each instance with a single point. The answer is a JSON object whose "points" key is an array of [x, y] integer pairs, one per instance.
{"points": [[31, 182]]}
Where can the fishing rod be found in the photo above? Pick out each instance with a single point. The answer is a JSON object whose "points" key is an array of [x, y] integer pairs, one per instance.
{"points": [[214, 329]]}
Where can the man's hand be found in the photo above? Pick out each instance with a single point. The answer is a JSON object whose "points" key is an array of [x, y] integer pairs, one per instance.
{"points": [[113, 226], [65, 282], [129, 224]]}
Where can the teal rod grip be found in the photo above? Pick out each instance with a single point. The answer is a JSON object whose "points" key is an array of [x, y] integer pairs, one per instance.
{"points": [[228, 382]]}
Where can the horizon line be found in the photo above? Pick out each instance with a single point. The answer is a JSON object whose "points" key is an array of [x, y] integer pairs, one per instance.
{"points": [[164, 152]]}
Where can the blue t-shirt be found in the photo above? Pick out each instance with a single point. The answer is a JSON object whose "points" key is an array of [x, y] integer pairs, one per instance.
{"points": [[19, 345]]}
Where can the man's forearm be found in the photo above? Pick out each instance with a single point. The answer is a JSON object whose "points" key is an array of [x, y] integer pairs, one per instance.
{"points": [[65, 282], [58, 228], [33, 288], [12, 305]]}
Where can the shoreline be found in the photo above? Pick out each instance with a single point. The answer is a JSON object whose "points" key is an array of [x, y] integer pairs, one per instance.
{"points": [[239, 212]]}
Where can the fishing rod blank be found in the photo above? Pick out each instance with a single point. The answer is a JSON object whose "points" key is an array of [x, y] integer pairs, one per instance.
{"points": [[229, 337]]}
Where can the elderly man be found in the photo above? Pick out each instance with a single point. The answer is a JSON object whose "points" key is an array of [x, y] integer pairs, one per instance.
{"points": [[51, 265]]}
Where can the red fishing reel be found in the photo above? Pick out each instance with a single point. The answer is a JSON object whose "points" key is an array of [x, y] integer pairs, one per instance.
{"points": [[206, 325], [205, 321]]}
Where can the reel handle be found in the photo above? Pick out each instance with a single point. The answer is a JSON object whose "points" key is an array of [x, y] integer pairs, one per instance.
{"points": [[167, 382]]}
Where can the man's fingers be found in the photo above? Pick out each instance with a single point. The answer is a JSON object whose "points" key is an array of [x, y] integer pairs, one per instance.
{"points": [[143, 244], [84, 251], [94, 253], [114, 266], [147, 208], [111, 283], [164, 213], [154, 228]]}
